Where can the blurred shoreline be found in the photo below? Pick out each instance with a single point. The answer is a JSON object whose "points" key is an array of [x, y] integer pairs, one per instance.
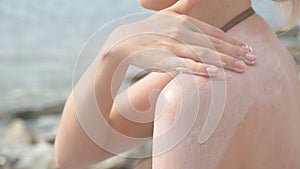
{"points": [[39, 45]]}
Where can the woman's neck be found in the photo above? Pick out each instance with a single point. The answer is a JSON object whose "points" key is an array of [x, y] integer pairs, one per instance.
{"points": [[219, 12]]}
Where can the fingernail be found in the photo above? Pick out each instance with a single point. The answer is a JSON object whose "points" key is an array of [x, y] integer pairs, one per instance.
{"points": [[249, 48], [250, 57], [212, 69], [239, 64]]}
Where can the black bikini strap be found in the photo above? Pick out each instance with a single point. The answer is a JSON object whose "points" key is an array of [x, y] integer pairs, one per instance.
{"points": [[236, 20]]}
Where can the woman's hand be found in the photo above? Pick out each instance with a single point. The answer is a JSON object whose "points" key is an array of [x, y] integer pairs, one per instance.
{"points": [[170, 40]]}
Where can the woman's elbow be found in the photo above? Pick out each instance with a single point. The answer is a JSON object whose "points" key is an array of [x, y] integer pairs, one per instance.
{"points": [[60, 160], [60, 163], [68, 142], [66, 159], [74, 149]]}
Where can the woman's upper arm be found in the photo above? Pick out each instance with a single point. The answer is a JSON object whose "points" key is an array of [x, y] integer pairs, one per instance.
{"points": [[139, 101], [74, 149]]}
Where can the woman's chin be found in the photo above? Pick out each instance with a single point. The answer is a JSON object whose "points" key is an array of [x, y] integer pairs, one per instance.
{"points": [[156, 4]]}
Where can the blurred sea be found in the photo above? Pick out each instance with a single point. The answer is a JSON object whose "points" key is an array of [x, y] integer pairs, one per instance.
{"points": [[40, 40]]}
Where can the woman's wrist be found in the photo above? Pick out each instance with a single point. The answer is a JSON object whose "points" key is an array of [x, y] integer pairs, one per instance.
{"points": [[116, 56]]}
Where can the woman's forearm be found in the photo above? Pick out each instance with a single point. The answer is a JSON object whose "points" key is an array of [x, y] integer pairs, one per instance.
{"points": [[73, 147]]}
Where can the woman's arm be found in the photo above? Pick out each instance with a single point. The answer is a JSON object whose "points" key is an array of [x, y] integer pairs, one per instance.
{"points": [[73, 147], [142, 96]]}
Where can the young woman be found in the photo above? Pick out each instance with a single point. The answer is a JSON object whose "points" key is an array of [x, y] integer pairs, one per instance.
{"points": [[256, 126]]}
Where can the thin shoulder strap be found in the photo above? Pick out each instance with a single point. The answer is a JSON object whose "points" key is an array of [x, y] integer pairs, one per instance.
{"points": [[236, 20]]}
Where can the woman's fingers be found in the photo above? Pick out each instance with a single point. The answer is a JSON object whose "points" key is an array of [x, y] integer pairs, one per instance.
{"points": [[196, 68], [198, 39], [208, 56], [210, 30], [188, 66], [238, 52], [166, 55], [169, 60]]}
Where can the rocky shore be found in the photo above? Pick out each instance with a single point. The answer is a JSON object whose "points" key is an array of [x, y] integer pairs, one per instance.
{"points": [[27, 135], [28, 138]]}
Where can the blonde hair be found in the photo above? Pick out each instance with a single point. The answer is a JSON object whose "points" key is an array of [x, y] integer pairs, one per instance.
{"points": [[291, 8]]}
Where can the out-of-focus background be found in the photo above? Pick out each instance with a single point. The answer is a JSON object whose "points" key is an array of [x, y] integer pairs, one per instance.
{"points": [[39, 43]]}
